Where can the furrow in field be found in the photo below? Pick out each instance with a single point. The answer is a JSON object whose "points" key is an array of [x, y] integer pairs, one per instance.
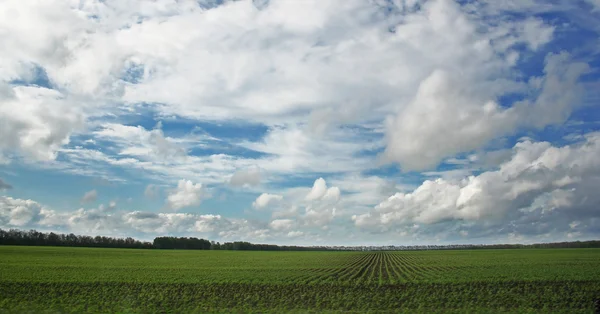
{"points": [[392, 272], [327, 275], [373, 273], [356, 271], [386, 277], [333, 274], [438, 271], [309, 275], [349, 273], [424, 272], [380, 269], [397, 266], [383, 274], [395, 273], [343, 271], [414, 269], [406, 268], [362, 275]]}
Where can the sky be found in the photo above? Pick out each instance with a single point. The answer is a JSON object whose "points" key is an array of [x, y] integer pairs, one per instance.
{"points": [[338, 122]]}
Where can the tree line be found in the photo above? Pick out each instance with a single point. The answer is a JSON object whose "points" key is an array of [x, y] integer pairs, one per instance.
{"points": [[35, 238]]}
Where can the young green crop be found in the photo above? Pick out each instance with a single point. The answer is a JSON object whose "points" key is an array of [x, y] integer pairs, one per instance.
{"points": [[46, 279]]}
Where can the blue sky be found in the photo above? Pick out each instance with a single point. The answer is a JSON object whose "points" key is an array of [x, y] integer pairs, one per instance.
{"points": [[302, 122]]}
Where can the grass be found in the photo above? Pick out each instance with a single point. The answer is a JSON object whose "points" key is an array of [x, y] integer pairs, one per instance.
{"points": [[50, 280]]}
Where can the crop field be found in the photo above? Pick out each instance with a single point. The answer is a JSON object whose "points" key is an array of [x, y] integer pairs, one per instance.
{"points": [[51, 280]]}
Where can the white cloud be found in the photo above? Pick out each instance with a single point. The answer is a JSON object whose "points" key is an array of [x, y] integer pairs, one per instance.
{"points": [[174, 222], [30, 214], [207, 223], [89, 196], [265, 199], [139, 142], [42, 39], [185, 195], [448, 117], [558, 92], [319, 215], [309, 208], [364, 192], [247, 177], [208, 169], [294, 149], [295, 234], [257, 65], [17, 212], [318, 190], [332, 194], [333, 84], [282, 224], [536, 33], [261, 68], [289, 212], [36, 122], [539, 180]]}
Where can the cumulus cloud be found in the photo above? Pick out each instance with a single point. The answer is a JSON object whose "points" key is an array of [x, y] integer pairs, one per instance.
{"points": [[17, 212], [174, 222], [294, 149], [89, 196], [247, 177], [112, 205], [320, 191], [320, 210], [4, 185], [317, 208], [363, 192], [319, 215], [332, 194], [265, 199], [449, 117], [139, 142], [439, 79], [295, 234], [540, 181], [186, 194], [282, 224], [441, 54], [36, 121], [30, 214]]}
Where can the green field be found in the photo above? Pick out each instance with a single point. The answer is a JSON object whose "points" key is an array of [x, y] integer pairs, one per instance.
{"points": [[50, 279]]}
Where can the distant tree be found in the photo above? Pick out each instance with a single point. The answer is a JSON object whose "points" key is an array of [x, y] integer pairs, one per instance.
{"points": [[33, 237], [182, 243]]}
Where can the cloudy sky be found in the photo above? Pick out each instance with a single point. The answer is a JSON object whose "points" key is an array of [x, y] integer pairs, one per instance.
{"points": [[302, 121]]}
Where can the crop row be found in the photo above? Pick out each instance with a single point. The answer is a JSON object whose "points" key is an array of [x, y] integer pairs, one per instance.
{"points": [[33, 264], [38, 280], [569, 297], [376, 268], [389, 268]]}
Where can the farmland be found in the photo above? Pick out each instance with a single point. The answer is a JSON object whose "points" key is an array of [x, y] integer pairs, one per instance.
{"points": [[51, 279]]}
